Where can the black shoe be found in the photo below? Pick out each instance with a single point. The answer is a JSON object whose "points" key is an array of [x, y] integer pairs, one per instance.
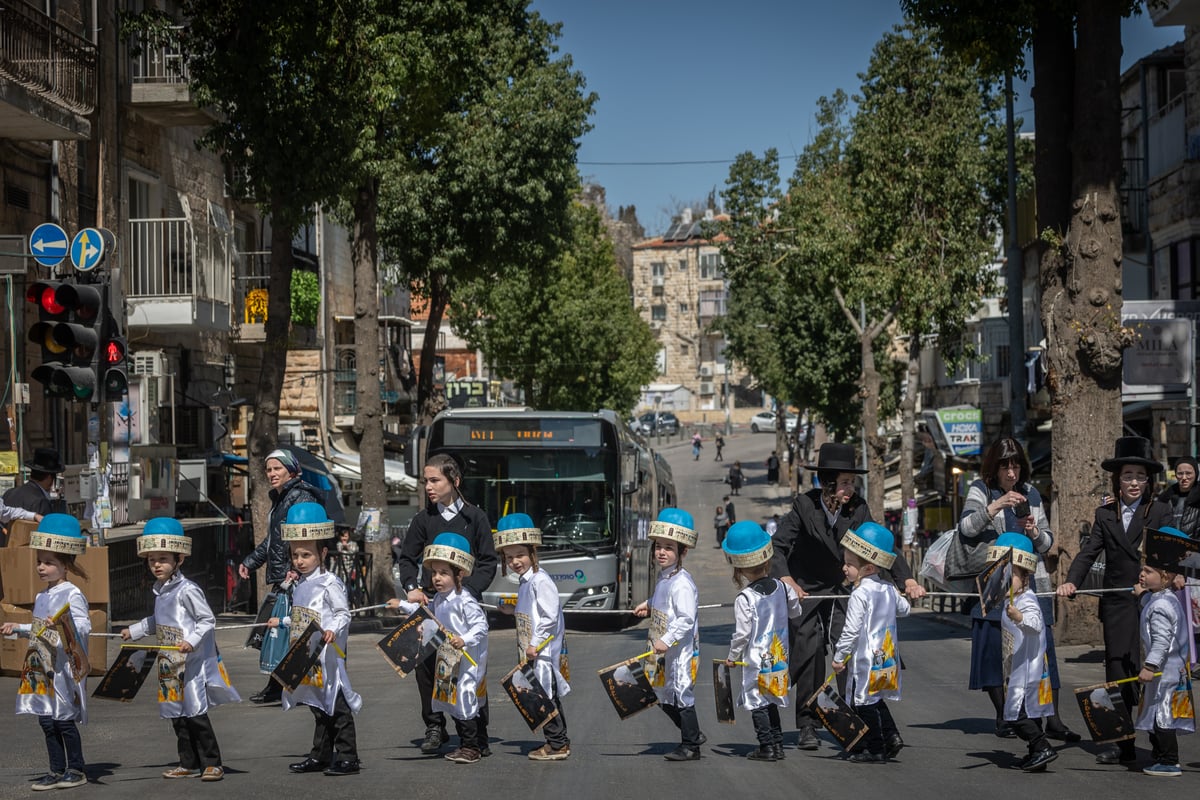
{"points": [[1063, 734], [683, 753], [867, 758], [267, 696], [349, 767], [701, 739], [308, 765], [893, 745], [434, 739], [762, 754], [1115, 755], [485, 751], [1005, 730], [777, 750], [808, 739], [1038, 761]]}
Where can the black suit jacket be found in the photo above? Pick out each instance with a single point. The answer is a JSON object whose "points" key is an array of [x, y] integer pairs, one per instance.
{"points": [[1121, 548], [809, 549], [30, 497]]}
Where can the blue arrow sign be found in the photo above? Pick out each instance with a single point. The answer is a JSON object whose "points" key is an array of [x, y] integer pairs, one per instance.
{"points": [[87, 248], [48, 242]]}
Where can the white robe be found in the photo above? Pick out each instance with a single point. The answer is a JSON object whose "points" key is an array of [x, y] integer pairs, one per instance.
{"points": [[869, 640], [188, 683], [320, 597], [539, 617], [673, 619], [760, 638], [460, 614], [62, 698], [1028, 673], [1163, 616]]}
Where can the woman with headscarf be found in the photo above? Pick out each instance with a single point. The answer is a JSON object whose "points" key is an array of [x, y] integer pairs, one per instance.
{"points": [[1183, 497], [287, 489], [1003, 501]]}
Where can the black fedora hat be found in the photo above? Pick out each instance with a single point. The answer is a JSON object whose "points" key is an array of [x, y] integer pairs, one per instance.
{"points": [[45, 459], [1134, 450], [836, 458]]}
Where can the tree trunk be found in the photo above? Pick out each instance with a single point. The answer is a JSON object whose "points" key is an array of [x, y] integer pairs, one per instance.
{"points": [[368, 409], [428, 404], [1081, 293], [876, 444], [908, 427], [264, 428]]}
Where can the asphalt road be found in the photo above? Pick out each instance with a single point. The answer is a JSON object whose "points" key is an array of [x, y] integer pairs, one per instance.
{"points": [[951, 748]]}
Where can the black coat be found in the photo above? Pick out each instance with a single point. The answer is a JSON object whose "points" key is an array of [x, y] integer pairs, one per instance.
{"points": [[272, 550], [30, 497], [1121, 548], [1185, 510], [471, 523], [809, 549]]}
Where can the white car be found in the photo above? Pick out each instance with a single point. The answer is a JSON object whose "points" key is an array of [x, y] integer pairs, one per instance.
{"points": [[764, 422]]}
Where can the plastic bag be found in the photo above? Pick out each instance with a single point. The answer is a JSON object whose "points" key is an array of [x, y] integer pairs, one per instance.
{"points": [[933, 566]]}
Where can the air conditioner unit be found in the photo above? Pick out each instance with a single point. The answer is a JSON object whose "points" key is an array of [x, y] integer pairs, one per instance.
{"points": [[658, 280], [706, 388], [150, 362], [655, 324], [706, 372]]}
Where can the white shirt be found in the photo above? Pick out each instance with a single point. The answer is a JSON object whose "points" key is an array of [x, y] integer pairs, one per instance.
{"points": [[451, 511], [1128, 511]]}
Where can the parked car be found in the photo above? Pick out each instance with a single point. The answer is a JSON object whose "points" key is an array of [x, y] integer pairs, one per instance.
{"points": [[664, 423], [764, 422]]}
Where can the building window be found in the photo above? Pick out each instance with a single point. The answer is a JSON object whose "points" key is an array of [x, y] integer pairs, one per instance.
{"points": [[683, 349], [1183, 270], [683, 308], [658, 313], [710, 267], [658, 269], [683, 265], [657, 291], [712, 303]]}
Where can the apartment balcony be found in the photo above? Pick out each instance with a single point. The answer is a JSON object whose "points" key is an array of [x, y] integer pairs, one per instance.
{"points": [[1174, 12], [159, 88], [47, 77], [178, 278], [250, 295]]}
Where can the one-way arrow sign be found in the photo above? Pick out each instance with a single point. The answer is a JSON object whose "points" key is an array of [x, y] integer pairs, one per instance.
{"points": [[49, 244]]}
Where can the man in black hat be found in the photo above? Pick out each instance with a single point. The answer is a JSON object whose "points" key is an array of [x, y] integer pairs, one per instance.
{"points": [[808, 556], [1118, 532], [36, 493]]}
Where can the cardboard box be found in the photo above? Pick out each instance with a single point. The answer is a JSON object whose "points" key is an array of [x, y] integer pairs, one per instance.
{"points": [[12, 651], [18, 566], [18, 532]]}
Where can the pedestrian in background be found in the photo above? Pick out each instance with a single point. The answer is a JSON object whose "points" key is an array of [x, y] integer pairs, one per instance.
{"points": [[696, 445], [719, 443], [772, 469], [729, 510], [721, 523], [735, 477]]}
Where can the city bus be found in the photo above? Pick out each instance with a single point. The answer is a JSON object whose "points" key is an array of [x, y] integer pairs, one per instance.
{"points": [[590, 483]]}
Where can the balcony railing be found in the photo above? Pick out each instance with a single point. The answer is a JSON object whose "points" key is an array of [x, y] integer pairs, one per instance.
{"points": [[46, 58], [160, 60], [168, 260]]}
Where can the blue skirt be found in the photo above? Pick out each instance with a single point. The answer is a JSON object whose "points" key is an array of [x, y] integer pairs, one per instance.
{"points": [[276, 641], [987, 648]]}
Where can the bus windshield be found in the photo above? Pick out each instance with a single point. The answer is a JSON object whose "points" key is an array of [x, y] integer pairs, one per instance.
{"points": [[567, 492]]}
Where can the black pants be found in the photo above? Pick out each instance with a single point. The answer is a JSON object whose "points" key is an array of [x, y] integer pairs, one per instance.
{"points": [[555, 730], [820, 623], [469, 733], [334, 733], [63, 744], [685, 719], [767, 727], [880, 725], [196, 742], [1030, 731], [1164, 746], [1122, 651], [434, 720]]}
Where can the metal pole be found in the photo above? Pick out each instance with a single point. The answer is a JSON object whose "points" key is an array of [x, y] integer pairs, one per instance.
{"points": [[1016, 279], [866, 464], [1192, 399]]}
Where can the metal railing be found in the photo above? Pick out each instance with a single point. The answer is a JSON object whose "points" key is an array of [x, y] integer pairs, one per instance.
{"points": [[160, 60], [44, 57], [167, 259]]}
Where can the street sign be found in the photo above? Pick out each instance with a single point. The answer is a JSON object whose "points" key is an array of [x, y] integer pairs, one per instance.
{"points": [[87, 249], [48, 243]]}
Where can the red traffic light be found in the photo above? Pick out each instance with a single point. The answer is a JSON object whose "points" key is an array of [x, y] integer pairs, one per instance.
{"points": [[44, 294], [114, 352]]}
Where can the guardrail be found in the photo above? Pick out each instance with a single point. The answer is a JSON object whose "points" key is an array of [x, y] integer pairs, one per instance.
{"points": [[44, 57]]}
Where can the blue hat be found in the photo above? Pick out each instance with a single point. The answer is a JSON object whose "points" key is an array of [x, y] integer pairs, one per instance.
{"points": [[1022, 550], [516, 529], [747, 544], [452, 548], [164, 535], [676, 525], [306, 522], [872, 542], [59, 533]]}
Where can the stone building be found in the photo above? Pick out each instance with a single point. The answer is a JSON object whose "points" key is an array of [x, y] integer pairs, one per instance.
{"points": [[680, 289]]}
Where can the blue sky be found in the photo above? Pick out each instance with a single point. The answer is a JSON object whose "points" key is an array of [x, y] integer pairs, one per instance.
{"points": [[703, 81]]}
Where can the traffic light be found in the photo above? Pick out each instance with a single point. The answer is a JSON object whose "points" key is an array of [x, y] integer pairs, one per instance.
{"points": [[112, 363], [66, 331]]}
